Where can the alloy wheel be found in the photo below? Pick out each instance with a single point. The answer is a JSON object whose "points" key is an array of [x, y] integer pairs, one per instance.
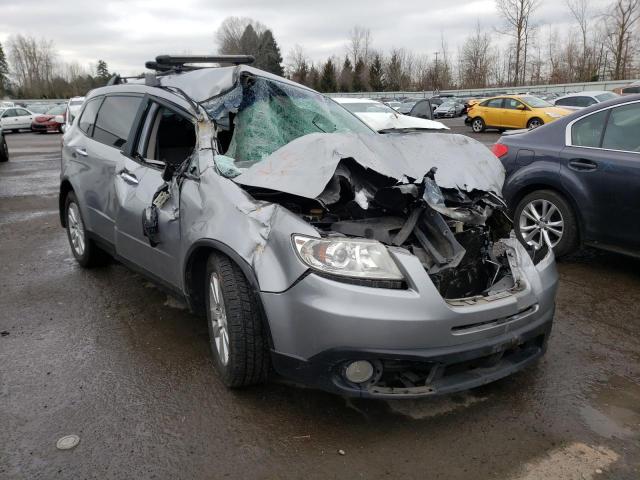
{"points": [[541, 221], [535, 123], [477, 125], [76, 229], [218, 319]]}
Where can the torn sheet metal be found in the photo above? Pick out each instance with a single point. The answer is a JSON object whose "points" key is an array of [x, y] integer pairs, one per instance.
{"points": [[306, 165]]}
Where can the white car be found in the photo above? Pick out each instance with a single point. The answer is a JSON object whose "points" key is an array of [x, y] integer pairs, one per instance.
{"points": [[73, 108], [380, 117], [576, 101], [15, 118], [449, 108]]}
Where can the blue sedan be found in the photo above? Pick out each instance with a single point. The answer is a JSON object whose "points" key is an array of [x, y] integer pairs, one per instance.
{"points": [[576, 181]]}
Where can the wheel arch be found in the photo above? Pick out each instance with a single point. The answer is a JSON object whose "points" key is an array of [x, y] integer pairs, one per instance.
{"points": [[65, 188], [195, 269]]}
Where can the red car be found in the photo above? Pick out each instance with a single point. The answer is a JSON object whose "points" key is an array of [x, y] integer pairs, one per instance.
{"points": [[50, 121]]}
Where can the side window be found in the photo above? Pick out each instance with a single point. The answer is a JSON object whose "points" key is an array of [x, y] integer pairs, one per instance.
{"points": [[493, 103], [511, 103], [630, 90], [11, 112], [588, 101], [587, 132], [22, 112], [88, 118], [170, 137], [565, 102], [623, 129], [115, 120]]}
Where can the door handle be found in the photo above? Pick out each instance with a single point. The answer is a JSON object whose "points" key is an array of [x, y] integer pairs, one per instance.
{"points": [[583, 165], [128, 177], [81, 151]]}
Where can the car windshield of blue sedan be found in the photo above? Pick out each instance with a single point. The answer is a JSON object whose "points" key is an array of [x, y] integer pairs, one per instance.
{"points": [[535, 102], [259, 116]]}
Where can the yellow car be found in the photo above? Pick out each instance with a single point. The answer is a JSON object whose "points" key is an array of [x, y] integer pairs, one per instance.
{"points": [[513, 111]]}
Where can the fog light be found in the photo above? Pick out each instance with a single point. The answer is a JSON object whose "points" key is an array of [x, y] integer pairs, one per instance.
{"points": [[359, 371]]}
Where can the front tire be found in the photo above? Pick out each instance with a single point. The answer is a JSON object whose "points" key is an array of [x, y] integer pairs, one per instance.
{"points": [[237, 335], [85, 251], [477, 125], [4, 151], [545, 216]]}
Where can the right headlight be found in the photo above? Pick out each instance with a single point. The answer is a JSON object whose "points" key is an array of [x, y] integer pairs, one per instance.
{"points": [[348, 257]]}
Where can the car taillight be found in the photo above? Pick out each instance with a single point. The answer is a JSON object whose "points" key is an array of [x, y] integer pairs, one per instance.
{"points": [[499, 149]]}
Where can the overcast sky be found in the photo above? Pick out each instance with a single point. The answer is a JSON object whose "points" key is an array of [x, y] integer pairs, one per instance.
{"points": [[126, 33]]}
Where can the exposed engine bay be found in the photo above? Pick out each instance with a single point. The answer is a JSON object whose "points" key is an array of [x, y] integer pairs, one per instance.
{"points": [[455, 234]]}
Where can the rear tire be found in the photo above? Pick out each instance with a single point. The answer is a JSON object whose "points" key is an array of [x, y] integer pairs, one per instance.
{"points": [[85, 251], [563, 220], [477, 125], [534, 123], [237, 334]]}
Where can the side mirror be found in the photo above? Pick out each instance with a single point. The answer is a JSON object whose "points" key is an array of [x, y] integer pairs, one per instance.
{"points": [[521, 107]]}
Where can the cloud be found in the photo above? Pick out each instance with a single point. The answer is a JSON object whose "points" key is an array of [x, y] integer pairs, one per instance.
{"points": [[126, 33]]}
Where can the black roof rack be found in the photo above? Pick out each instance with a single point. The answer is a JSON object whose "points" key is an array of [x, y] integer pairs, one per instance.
{"points": [[180, 60]]}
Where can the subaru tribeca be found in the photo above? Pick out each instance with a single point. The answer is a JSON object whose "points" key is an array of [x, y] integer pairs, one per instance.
{"points": [[373, 265]]}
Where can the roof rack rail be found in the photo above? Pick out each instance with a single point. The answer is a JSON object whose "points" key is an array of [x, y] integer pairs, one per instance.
{"points": [[180, 60], [118, 80]]}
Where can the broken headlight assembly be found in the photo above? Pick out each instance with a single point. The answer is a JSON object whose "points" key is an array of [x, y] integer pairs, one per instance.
{"points": [[347, 257]]}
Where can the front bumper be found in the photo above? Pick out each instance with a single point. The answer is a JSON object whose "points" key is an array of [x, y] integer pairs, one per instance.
{"points": [[423, 372], [319, 323]]}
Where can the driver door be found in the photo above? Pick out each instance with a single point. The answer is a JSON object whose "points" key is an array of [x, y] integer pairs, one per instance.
{"points": [[514, 114], [167, 136]]}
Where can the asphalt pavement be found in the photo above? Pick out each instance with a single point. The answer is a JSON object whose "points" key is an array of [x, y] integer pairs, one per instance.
{"points": [[105, 355]]}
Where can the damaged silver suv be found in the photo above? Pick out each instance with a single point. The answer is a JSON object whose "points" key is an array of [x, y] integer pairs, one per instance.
{"points": [[374, 265]]}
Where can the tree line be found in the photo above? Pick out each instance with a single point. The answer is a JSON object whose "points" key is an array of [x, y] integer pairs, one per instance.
{"points": [[599, 46], [30, 68]]}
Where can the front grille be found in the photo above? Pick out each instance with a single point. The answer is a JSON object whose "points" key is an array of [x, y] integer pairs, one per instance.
{"points": [[478, 326]]}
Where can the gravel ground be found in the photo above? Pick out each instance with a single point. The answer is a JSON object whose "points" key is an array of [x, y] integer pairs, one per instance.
{"points": [[107, 356]]}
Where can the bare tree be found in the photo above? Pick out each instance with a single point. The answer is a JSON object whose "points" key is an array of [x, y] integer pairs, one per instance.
{"points": [[297, 64], [230, 32], [359, 46], [32, 63], [474, 60], [517, 15], [580, 11], [620, 25]]}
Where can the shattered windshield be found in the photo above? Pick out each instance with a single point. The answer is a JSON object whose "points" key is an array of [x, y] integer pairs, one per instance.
{"points": [[259, 116]]}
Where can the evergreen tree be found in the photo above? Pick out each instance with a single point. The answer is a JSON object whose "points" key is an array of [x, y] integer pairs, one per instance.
{"points": [[394, 73], [376, 80], [269, 57], [313, 78], [250, 42], [102, 70], [328, 78], [4, 73], [359, 79], [346, 76]]}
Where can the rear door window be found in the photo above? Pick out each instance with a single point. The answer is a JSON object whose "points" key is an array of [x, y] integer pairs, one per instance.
{"points": [[587, 132], [115, 119], [421, 108], [623, 129], [11, 112], [493, 103], [88, 118]]}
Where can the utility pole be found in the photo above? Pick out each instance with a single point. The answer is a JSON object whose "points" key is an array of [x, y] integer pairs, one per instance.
{"points": [[435, 75]]}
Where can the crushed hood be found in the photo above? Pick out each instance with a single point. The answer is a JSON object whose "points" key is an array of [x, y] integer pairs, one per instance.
{"points": [[305, 166]]}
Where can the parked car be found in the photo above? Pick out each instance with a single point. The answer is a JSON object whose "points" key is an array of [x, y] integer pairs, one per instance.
{"points": [[52, 120], [576, 101], [6, 104], [575, 181], [631, 89], [73, 107], [364, 264], [405, 107], [512, 111], [383, 118], [449, 108], [15, 118], [4, 149]]}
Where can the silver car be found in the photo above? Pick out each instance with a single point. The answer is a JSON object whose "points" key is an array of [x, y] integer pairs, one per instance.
{"points": [[363, 264]]}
